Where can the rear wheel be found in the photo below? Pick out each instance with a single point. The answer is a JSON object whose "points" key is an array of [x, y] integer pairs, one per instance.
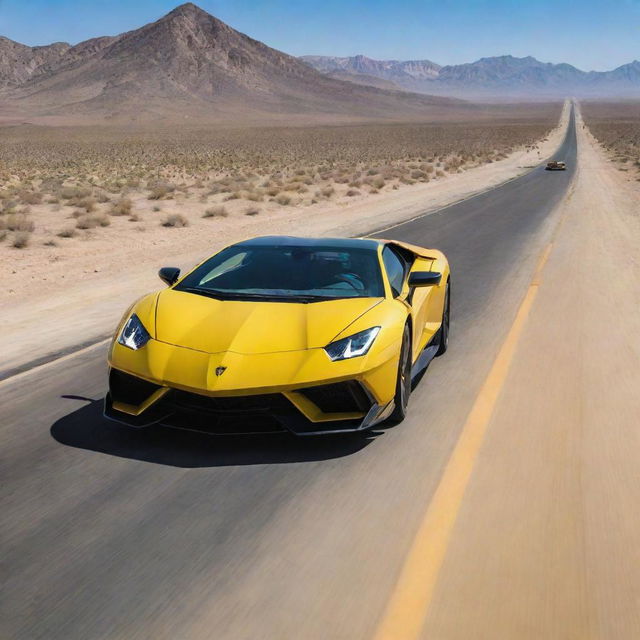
{"points": [[403, 381], [444, 327]]}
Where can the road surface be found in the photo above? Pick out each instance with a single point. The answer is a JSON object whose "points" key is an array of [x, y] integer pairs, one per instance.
{"points": [[111, 533]]}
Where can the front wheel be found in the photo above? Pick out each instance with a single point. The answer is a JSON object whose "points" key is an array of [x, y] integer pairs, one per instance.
{"points": [[403, 381], [444, 327]]}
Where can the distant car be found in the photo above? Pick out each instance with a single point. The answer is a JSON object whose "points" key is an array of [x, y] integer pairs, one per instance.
{"points": [[556, 165], [278, 333]]}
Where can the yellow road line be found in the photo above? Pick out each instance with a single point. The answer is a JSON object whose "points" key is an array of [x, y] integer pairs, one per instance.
{"points": [[409, 603]]}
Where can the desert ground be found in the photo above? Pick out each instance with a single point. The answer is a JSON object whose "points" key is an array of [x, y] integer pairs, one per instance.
{"points": [[616, 127], [88, 215]]}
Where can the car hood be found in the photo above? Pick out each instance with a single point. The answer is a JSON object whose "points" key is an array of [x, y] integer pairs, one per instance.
{"points": [[213, 326]]}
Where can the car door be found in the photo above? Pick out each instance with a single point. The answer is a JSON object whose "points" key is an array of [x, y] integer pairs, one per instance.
{"points": [[398, 264]]}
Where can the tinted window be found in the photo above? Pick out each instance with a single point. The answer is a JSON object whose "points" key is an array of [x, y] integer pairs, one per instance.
{"points": [[288, 272], [396, 268]]}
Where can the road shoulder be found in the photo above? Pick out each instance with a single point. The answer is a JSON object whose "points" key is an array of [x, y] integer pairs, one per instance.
{"points": [[545, 542]]}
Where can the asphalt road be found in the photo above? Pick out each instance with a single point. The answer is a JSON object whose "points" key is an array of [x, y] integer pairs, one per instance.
{"points": [[112, 533]]}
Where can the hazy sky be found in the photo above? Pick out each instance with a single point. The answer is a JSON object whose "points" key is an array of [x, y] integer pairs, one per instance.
{"points": [[590, 34]]}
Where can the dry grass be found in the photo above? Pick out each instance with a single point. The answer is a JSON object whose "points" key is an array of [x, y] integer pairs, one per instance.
{"points": [[106, 173], [19, 222], [617, 127], [216, 212], [92, 221], [21, 239], [122, 207], [175, 220]]}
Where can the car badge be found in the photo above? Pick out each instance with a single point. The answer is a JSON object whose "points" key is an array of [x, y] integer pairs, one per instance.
{"points": [[220, 370]]}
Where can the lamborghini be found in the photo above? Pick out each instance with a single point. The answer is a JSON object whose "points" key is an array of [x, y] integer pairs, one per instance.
{"points": [[302, 335]]}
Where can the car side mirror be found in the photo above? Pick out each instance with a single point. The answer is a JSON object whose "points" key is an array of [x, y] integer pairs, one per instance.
{"points": [[424, 279], [169, 275]]}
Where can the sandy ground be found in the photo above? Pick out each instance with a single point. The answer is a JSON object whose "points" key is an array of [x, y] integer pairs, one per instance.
{"points": [[546, 541], [82, 292]]}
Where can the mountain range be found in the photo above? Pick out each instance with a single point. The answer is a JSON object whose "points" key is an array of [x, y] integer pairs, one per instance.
{"points": [[501, 76], [188, 64]]}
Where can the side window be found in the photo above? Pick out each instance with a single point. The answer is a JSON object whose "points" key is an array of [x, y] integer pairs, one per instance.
{"points": [[229, 264], [396, 269]]}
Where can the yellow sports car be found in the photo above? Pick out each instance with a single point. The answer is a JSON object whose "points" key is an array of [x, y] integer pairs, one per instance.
{"points": [[306, 335]]}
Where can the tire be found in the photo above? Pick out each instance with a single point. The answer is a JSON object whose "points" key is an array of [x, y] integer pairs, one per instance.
{"points": [[444, 327], [403, 380]]}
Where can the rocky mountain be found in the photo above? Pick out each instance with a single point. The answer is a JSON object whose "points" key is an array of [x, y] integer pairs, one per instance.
{"points": [[364, 79], [18, 62], [187, 64], [402, 73], [492, 77]]}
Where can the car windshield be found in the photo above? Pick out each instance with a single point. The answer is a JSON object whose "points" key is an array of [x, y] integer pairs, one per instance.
{"points": [[287, 273]]}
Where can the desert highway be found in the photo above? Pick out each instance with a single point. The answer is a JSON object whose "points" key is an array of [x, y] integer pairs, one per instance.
{"points": [[111, 533]]}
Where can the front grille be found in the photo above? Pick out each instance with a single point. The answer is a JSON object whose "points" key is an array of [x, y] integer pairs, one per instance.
{"points": [[264, 403], [225, 415], [265, 413], [223, 425], [340, 397], [129, 389]]}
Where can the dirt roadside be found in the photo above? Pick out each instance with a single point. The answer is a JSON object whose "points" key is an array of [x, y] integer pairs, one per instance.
{"points": [[545, 543], [51, 306]]}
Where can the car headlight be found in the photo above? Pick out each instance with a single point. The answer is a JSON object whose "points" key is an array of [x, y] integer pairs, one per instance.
{"points": [[133, 334], [356, 345]]}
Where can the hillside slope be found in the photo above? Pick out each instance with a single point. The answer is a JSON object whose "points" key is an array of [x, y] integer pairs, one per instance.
{"points": [[188, 64]]}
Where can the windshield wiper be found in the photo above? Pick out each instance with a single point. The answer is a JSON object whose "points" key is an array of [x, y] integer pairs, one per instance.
{"points": [[235, 295], [209, 293], [273, 297]]}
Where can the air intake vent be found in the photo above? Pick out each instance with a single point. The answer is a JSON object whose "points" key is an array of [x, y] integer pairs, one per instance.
{"points": [[129, 389], [341, 397]]}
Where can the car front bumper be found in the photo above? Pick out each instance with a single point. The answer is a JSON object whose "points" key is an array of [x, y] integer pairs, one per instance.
{"points": [[341, 407], [300, 392]]}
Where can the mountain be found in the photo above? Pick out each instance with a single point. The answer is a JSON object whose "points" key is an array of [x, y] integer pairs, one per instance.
{"points": [[500, 76], [364, 79], [18, 62], [186, 64], [407, 74]]}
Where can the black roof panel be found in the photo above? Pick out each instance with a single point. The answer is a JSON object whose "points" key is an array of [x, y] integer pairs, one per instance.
{"points": [[293, 241]]}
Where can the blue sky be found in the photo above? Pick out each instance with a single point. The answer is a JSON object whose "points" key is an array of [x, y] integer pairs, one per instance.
{"points": [[589, 34]]}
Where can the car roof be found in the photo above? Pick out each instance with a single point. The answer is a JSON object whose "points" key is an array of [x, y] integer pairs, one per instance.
{"points": [[294, 241]]}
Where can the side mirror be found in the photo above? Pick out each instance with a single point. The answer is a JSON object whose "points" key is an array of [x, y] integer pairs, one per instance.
{"points": [[424, 279], [169, 275]]}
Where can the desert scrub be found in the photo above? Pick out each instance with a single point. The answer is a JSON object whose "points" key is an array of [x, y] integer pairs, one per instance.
{"points": [[327, 192], [30, 197], [175, 220], [216, 212], [283, 199], [75, 165], [122, 207], [75, 193], [19, 222], [21, 239], [92, 221], [67, 232], [616, 126], [252, 211], [161, 191], [88, 203]]}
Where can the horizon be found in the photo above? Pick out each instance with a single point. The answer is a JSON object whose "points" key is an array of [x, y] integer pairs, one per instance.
{"points": [[67, 22]]}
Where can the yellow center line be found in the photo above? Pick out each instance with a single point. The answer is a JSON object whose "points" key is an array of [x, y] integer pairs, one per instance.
{"points": [[407, 609]]}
